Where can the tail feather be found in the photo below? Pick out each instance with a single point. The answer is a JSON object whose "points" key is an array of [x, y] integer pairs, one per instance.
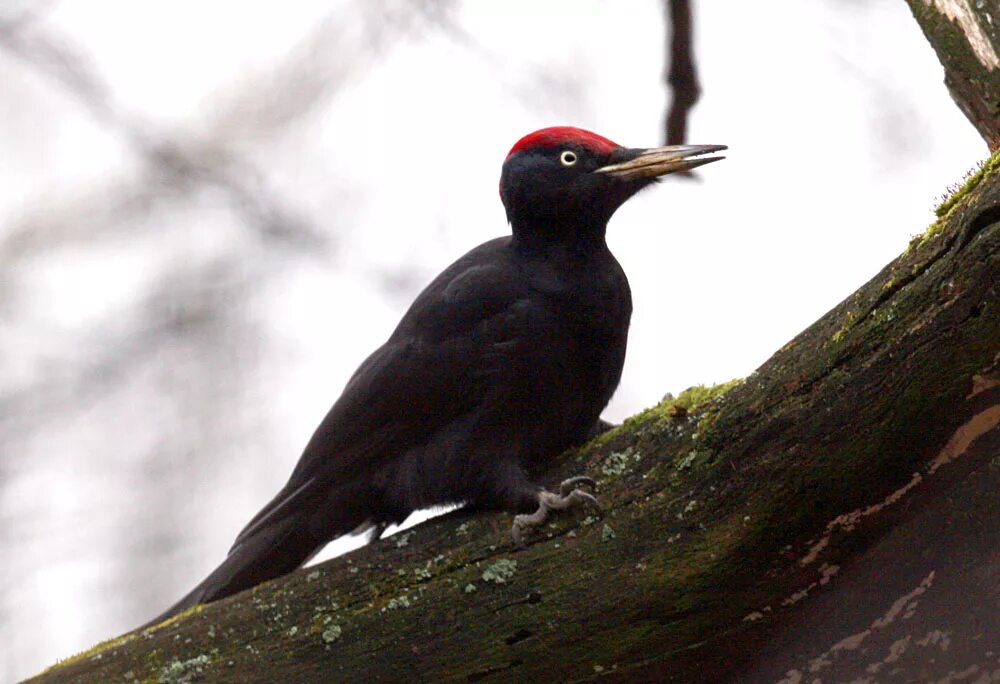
{"points": [[270, 553], [283, 536]]}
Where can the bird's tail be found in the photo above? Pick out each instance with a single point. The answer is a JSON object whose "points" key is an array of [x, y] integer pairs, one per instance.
{"points": [[272, 552], [284, 535]]}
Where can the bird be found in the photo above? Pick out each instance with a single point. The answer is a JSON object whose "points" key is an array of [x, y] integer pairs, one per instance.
{"points": [[505, 360]]}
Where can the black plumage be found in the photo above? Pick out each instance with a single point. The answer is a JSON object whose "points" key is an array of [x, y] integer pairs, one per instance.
{"points": [[506, 359]]}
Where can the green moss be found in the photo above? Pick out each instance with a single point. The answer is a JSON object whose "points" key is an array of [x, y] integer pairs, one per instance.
{"points": [[690, 399], [707, 421], [603, 439], [105, 646], [714, 557], [849, 321], [696, 396], [973, 178], [193, 610], [91, 652]]}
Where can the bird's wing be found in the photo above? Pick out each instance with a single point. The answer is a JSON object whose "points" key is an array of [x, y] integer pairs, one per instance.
{"points": [[458, 342]]}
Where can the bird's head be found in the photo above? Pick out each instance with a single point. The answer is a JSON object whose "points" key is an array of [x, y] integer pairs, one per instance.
{"points": [[564, 183]]}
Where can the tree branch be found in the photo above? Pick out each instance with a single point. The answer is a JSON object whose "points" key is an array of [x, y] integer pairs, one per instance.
{"points": [[725, 525], [682, 75], [966, 37]]}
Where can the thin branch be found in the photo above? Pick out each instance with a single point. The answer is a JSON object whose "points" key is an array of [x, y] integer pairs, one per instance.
{"points": [[682, 75], [180, 165]]}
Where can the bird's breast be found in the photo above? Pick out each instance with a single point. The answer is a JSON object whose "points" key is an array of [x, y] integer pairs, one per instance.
{"points": [[578, 348]]}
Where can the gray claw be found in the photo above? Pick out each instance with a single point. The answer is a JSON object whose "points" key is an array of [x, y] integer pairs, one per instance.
{"points": [[569, 484], [547, 502]]}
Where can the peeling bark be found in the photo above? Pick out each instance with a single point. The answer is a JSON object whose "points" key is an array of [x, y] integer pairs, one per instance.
{"points": [[834, 515]]}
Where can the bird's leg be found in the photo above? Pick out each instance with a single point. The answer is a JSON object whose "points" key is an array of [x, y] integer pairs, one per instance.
{"points": [[378, 529], [569, 495]]}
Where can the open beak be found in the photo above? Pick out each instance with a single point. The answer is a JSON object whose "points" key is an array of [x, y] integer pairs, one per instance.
{"points": [[659, 161]]}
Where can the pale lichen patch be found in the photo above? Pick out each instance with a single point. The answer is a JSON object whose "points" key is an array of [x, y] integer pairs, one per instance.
{"points": [[331, 634], [183, 671], [500, 572], [686, 462], [398, 603], [620, 462]]}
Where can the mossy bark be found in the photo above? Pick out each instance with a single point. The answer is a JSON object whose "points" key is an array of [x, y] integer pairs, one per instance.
{"points": [[965, 35], [833, 515]]}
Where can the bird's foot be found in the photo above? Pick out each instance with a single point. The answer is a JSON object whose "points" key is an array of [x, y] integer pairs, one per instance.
{"points": [[569, 495]]}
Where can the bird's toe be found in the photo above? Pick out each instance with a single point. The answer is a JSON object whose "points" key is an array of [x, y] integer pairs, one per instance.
{"points": [[549, 501], [569, 484]]}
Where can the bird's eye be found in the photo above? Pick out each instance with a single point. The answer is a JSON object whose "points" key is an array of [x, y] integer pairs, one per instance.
{"points": [[568, 158]]}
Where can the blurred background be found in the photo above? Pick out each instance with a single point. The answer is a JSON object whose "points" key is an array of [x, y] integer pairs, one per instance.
{"points": [[210, 213]]}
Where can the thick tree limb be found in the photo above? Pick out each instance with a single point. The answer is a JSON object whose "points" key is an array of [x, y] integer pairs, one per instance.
{"points": [[833, 513], [965, 35]]}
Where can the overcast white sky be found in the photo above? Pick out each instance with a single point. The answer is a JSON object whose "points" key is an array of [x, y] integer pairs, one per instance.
{"points": [[841, 138]]}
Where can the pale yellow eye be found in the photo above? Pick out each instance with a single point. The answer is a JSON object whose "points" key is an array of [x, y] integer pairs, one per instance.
{"points": [[568, 158]]}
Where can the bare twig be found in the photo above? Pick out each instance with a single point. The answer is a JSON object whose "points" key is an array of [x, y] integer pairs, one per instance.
{"points": [[178, 165], [682, 75]]}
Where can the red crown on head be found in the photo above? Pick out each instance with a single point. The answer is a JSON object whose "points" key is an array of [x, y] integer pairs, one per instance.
{"points": [[560, 135]]}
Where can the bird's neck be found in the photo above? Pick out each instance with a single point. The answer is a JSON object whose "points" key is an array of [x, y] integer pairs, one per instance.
{"points": [[577, 236]]}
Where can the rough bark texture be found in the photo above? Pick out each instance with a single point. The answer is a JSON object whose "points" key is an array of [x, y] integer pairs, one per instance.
{"points": [[966, 36], [835, 515]]}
